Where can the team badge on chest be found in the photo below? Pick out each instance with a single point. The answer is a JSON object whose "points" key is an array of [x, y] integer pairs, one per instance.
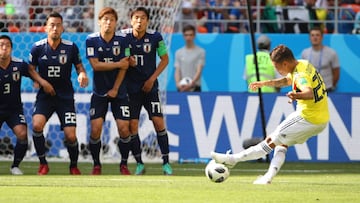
{"points": [[147, 47], [16, 76], [62, 58], [116, 50]]}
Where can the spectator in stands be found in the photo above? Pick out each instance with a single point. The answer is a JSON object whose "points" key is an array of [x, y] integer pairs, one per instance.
{"points": [[189, 62], [324, 59], [266, 68], [344, 14], [214, 13], [356, 29], [235, 14], [187, 15], [88, 17]]}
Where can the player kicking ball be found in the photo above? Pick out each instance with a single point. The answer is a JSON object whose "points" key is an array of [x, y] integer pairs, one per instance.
{"points": [[309, 119]]}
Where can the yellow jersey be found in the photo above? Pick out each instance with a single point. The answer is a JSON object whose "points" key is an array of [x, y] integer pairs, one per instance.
{"points": [[305, 75]]}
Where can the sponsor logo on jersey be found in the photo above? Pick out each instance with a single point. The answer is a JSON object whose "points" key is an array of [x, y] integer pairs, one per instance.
{"points": [[16, 76], [147, 47], [62, 58], [90, 51], [116, 50]]}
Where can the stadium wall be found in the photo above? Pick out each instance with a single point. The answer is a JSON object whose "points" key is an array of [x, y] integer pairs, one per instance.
{"points": [[215, 119]]}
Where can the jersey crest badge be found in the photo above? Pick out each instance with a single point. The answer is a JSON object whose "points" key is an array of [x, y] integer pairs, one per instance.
{"points": [[62, 58], [16, 76], [116, 50], [147, 47]]}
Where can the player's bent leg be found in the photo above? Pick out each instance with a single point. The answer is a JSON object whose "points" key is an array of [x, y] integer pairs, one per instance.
{"points": [[72, 146], [276, 163]]}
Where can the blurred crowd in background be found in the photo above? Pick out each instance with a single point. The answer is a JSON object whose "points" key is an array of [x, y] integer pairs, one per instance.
{"points": [[209, 16]]}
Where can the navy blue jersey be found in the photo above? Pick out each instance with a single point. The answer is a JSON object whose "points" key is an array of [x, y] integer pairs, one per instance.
{"points": [[55, 66], [10, 83], [108, 52], [145, 52]]}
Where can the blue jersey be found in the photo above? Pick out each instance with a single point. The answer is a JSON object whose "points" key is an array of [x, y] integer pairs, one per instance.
{"points": [[108, 52], [55, 66], [10, 83], [144, 51]]}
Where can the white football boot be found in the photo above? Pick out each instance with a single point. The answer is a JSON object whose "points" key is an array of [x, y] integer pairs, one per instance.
{"points": [[16, 171], [262, 180], [227, 159]]}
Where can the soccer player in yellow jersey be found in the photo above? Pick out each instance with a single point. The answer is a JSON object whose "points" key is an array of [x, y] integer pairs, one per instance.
{"points": [[309, 119]]}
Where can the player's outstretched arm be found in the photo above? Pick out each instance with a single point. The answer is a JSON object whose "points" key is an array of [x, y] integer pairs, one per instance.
{"points": [[279, 82], [48, 88], [82, 76]]}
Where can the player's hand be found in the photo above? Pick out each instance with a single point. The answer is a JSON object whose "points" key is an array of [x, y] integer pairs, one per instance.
{"points": [[83, 79], [255, 85], [148, 85], [36, 85], [124, 63], [48, 88], [112, 93], [292, 97], [132, 61]]}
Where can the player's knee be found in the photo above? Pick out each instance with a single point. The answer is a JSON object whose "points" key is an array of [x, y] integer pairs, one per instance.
{"points": [[270, 142], [133, 127], [95, 131], [158, 123], [124, 132]]}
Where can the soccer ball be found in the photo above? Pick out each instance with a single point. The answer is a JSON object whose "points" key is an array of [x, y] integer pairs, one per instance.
{"points": [[216, 172], [185, 81]]}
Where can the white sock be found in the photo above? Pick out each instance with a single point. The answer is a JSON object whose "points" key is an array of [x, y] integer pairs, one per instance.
{"points": [[254, 152], [276, 162]]}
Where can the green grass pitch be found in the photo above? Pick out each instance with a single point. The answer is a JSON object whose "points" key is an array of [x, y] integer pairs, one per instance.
{"points": [[296, 182]]}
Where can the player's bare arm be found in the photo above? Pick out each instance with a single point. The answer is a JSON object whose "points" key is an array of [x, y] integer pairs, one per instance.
{"points": [[104, 66], [82, 77], [114, 91], [279, 82], [306, 93], [164, 61], [48, 88]]}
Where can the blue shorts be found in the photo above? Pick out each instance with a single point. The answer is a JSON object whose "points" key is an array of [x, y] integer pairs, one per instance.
{"points": [[64, 108], [99, 107], [150, 101], [13, 118]]}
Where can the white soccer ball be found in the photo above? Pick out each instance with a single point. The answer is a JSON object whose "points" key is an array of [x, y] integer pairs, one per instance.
{"points": [[216, 172], [185, 81]]}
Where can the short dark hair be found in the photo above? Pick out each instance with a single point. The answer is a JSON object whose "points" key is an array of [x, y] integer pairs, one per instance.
{"points": [[143, 9], [281, 53], [54, 15], [189, 28], [8, 38], [107, 10]]}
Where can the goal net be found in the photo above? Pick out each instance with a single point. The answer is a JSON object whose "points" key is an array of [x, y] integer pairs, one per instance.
{"points": [[81, 16]]}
